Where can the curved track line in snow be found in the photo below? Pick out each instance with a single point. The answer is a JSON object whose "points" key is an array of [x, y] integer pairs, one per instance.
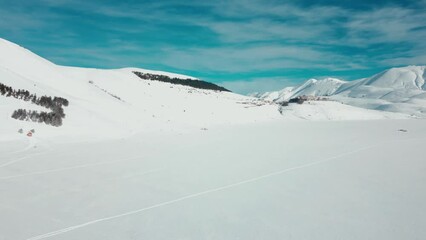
{"points": [[66, 168], [28, 147], [11, 154], [68, 229], [13, 161], [18, 160]]}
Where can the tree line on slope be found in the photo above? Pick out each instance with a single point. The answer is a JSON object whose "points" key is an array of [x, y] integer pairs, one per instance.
{"points": [[185, 82], [55, 104]]}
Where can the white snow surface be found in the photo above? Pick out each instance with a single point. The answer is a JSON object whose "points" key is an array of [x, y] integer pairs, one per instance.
{"points": [[174, 162], [298, 179], [320, 110], [401, 90]]}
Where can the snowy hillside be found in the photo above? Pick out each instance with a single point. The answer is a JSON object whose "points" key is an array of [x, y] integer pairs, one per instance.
{"points": [[116, 101], [397, 90]]}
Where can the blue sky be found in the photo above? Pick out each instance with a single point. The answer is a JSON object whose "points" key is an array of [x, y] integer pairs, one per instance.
{"points": [[247, 46]]}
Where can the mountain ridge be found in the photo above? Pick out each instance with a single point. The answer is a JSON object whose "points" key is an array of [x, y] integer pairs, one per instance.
{"points": [[399, 89]]}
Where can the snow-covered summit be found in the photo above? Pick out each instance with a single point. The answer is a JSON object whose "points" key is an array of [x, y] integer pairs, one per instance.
{"points": [[411, 77], [271, 96], [324, 87]]}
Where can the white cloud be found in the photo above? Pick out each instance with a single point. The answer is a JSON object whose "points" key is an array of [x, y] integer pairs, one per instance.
{"points": [[250, 58], [386, 25]]}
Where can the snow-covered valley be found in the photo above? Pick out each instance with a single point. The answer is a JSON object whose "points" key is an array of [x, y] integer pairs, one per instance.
{"points": [[302, 180], [140, 159]]}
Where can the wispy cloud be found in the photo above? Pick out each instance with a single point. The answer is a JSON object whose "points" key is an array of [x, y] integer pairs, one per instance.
{"points": [[242, 59], [387, 25]]}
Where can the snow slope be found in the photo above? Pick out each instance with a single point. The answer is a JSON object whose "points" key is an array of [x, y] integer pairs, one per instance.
{"points": [[332, 110], [397, 90]]}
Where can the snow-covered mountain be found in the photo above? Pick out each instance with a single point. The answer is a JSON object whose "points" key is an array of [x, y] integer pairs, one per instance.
{"points": [[397, 90], [110, 103]]}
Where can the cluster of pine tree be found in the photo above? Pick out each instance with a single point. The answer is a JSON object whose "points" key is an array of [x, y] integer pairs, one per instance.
{"points": [[186, 82], [55, 104], [51, 118], [5, 90]]}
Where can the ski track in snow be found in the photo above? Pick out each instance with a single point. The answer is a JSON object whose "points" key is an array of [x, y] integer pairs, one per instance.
{"points": [[66, 168], [68, 229], [10, 154], [18, 160], [13, 161]]}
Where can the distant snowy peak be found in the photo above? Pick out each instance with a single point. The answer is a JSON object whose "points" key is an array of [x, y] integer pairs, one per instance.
{"points": [[314, 87], [411, 77], [394, 79], [400, 89], [272, 96]]}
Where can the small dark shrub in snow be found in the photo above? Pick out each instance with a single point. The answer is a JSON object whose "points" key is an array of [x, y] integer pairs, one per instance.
{"points": [[298, 100], [104, 90], [303, 98], [295, 100], [284, 103]]}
